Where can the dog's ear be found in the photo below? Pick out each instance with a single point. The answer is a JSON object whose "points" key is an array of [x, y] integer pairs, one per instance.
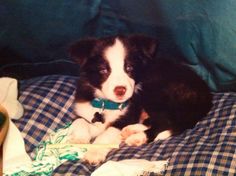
{"points": [[81, 50], [145, 44]]}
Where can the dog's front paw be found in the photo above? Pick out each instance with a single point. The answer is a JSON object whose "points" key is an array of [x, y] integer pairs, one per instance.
{"points": [[95, 157], [163, 135], [136, 139], [78, 137], [132, 129]]}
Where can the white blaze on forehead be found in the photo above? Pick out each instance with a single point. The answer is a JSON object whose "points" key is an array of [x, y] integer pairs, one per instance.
{"points": [[115, 55]]}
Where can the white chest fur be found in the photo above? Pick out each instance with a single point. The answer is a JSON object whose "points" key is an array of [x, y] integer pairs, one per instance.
{"points": [[87, 111]]}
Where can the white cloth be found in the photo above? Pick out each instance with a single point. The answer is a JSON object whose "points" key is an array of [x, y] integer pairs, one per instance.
{"points": [[131, 167], [8, 97], [50, 154], [14, 153], [13, 147]]}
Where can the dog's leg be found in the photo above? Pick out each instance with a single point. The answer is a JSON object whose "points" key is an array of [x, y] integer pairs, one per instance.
{"points": [[155, 128], [134, 135], [79, 132], [95, 156], [132, 129]]}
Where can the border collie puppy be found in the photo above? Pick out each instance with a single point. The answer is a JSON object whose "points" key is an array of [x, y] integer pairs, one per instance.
{"points": [[124, 93], [111, 69]]}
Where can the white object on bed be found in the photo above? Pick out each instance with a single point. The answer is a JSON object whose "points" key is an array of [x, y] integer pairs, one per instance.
{"points": [[50, 153], [13, 147], [8, 97], [131, 167], [14, 153]]}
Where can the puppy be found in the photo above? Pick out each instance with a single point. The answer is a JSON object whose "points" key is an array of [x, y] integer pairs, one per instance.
{"points": [[173, 97], [111, 70], [125, 93]]}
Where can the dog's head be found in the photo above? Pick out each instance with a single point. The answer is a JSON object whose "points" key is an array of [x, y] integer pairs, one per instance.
{"points": [[113, 66]]}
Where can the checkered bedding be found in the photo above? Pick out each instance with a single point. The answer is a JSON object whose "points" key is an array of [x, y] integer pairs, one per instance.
{"points": [[207, 149]]}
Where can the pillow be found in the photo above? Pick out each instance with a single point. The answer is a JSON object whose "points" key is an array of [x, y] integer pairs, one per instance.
{"points": [[207, 149]]}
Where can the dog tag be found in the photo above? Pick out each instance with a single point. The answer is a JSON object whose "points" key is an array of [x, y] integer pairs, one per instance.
{"points": [[98, 118]]}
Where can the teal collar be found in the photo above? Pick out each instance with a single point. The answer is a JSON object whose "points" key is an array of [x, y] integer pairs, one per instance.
{"points": [[107, 104]]}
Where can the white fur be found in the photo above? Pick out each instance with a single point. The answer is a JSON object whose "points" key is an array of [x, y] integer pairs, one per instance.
{"points": [[87, 111], [136, 139], [132, 129], [134, 135], [82, 131], [110, 136]]}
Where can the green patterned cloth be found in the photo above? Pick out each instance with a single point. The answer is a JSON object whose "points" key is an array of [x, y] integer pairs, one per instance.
{"points": [[49, 156]]}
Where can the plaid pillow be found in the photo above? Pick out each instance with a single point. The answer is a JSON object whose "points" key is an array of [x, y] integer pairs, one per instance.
{"points": [[207, 149], [47, 103]]}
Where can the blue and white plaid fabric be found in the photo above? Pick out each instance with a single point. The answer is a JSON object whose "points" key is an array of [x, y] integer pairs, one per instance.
{"points": [[47, 103], [207, 149]]}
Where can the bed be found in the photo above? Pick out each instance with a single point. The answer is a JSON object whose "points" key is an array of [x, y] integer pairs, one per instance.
{"points": [[207, 149], [34, 41]]}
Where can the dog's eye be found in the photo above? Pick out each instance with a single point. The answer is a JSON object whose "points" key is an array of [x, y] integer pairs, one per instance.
{"points": [[129, 68], [103, 71]]}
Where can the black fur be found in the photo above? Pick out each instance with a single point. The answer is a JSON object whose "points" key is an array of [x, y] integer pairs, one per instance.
{"points": [[174, 97], [89, 54]]}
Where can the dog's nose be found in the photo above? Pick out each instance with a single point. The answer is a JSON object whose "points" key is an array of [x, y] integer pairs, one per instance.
{"points": [[120, 90]]}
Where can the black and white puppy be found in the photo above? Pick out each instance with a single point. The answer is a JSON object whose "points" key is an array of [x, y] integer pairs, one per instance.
{"points": [[120, 80], [111, 69]]}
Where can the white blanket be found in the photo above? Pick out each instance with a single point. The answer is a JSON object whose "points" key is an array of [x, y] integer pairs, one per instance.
{"points": [[131, 167]]}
